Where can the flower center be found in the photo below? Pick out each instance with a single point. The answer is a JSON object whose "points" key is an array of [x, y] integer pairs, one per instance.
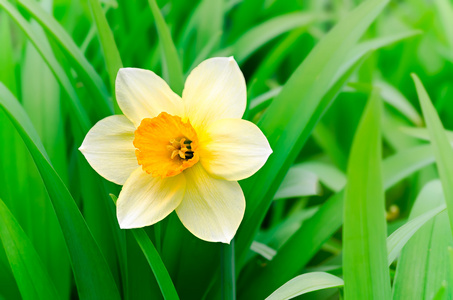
{"points": [[166, 145]]}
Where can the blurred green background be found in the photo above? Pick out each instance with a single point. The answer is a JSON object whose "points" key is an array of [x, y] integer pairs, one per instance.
{"points": [[310, 68]]}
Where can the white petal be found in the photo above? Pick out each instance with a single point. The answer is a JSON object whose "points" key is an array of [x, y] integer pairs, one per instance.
{"points": [[109, 149], [212, 209], [142, 94], [233, 149], [145, 200], [214, 90]]}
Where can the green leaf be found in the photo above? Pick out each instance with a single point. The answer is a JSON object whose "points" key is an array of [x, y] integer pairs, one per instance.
{"points": [[423, 134], [298, 183], [89, 76], [263, 250], [314, 232], [210, 22], [111, 53], [365, 269], [422, 266], [259, 35], [171, 65], [445, 13], [154, 260], [44, 49], [328, 174], [31, 276], [443, 151], [292, 116], [399, 238], [93, 277], [306, 283], [406, 162], [396, 99], [206, 50]]}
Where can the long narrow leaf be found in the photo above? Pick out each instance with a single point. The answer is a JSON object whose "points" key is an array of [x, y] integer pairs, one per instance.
{"points": [[93, 277], [31, 276], [306, 241], [111, 53], [443, 151], [256, 37], [171, 64], [422, 266], [306, 283], [52, 62], [365, 269], [92, 80], [155, 262], [399, 238], [292, 116]]}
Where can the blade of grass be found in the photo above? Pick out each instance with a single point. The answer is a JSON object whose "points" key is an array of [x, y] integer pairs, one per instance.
{"points": [[298, 183], [422, 266], [328, 174], [443, 151], [272, 61], [111, 54], [93, 277], [206, 50], [306, 242], [365, 269], [423, 134], [306, 283], [89, 76], [171, 64], [155, 262], [31, 276], [398, 239], [396, 99], [43, 48], [41, 97], [210, 21], [291, 117], [261, 34]]}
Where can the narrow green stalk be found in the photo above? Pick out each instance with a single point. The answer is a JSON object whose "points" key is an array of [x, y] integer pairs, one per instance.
{"points": [[227, 271]]}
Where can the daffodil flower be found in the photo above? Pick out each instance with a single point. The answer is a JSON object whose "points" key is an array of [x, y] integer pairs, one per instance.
{"points": [[184, 154]]}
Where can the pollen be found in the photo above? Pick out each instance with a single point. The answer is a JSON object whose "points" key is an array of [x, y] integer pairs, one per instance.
{"points": [[165, 145]]}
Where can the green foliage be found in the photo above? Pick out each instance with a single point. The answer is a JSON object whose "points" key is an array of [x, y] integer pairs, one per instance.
{"points": [[354, 189]]}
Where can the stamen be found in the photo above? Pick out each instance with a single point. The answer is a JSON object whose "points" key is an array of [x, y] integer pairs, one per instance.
{"points": [[174, 153], [181, 148]]}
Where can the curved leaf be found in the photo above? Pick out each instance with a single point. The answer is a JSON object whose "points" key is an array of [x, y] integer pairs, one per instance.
{"points": [[291, 117], [442, 149], [259, 35], [111, 53], [92, 80], [31, 276], [52, 62], [171, 64], [93, 277], [306, 283]]}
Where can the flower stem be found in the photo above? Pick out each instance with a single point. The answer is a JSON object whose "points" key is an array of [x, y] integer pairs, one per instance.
{"points": [[228, 272]]}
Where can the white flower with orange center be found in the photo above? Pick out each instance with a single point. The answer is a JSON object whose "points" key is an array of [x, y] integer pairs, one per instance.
{"points": [[184, 154]]}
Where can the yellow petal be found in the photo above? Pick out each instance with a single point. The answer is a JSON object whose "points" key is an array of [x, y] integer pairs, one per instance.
{"points": [[109, 149], [142, 94], [212, 209], [214, 90], [145, 200], [233, 149]]}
